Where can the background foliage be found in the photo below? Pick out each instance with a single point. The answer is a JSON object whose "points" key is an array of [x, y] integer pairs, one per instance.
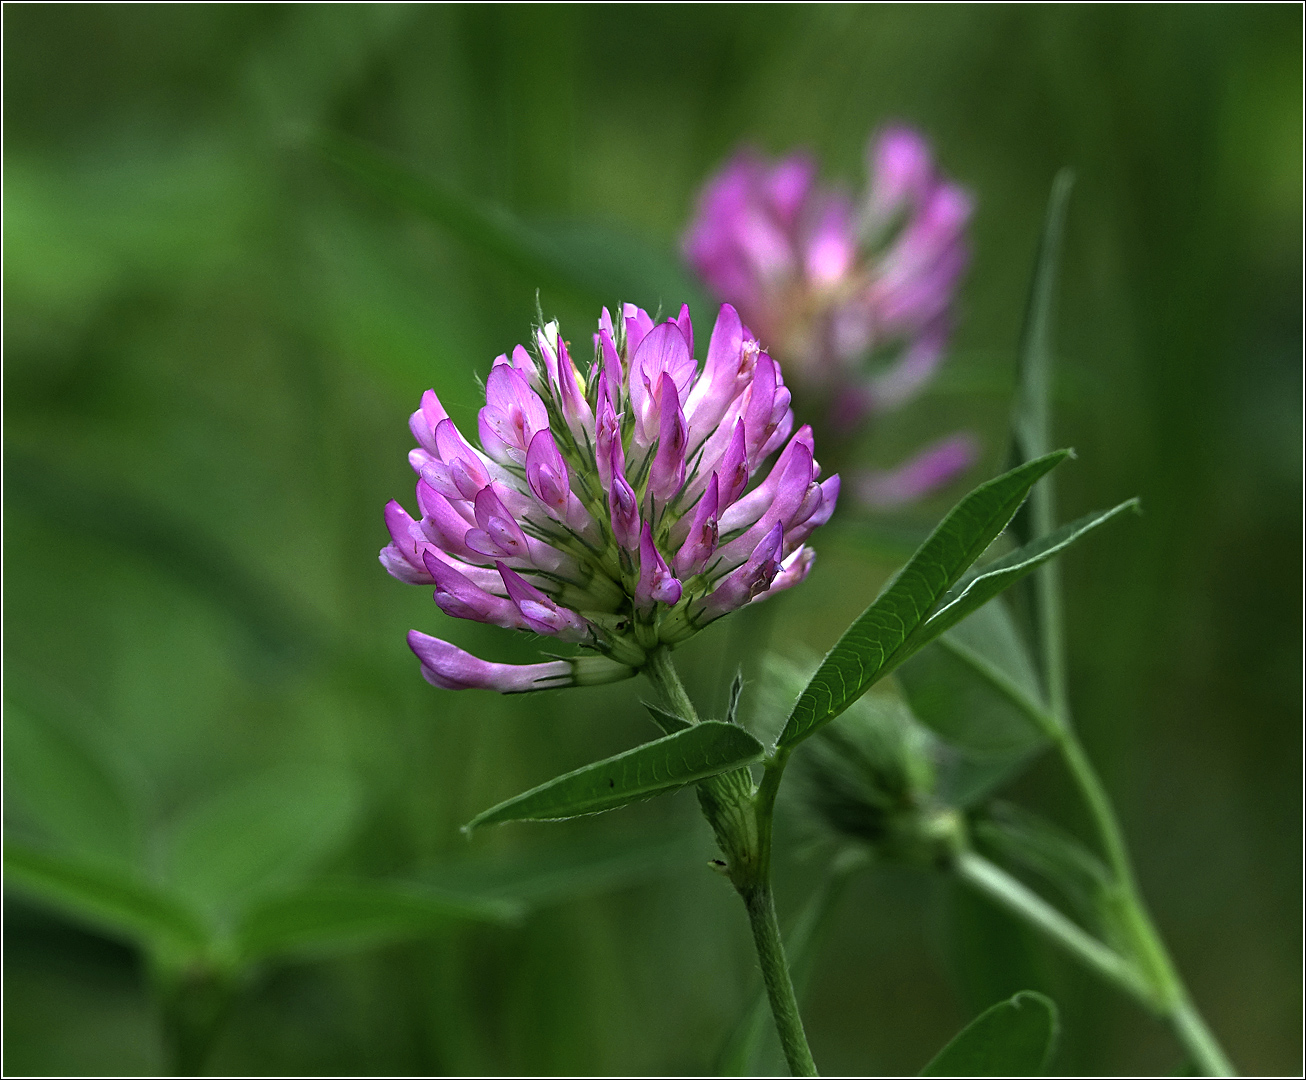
{"points": [[213, 339]]}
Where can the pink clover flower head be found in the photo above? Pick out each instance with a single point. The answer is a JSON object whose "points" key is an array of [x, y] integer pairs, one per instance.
{"points": [[620, 509], [852, 296]]}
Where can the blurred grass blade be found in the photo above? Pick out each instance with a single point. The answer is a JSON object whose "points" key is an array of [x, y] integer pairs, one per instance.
{"points": [[544, 874], [331, 919], [67, 792], [258, 836], [108, 899], [1031, 420], [698, 752], [1014, 1038], [1031, 428], [993, 735], [1002, 573], [584, 259], [884, 635], [164, 541]]}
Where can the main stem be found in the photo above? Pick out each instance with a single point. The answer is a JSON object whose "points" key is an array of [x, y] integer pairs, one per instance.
{"points": [[775, 975], [743, 828]]}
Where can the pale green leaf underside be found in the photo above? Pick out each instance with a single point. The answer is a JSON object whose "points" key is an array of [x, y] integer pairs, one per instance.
{"points": [[1013, 1038], [104, 897], [884, 635], [694, 754]]}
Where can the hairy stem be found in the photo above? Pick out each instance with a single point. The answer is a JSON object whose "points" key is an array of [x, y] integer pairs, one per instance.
{"points": [[741, 817], [775, 975], [661, 672]]}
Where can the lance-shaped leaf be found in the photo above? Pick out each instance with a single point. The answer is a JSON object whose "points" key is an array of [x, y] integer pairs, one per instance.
{"points": [[335, 918], [106, 898], [881, 638], [696, 753], [1002, 573], [1014, 1038]]}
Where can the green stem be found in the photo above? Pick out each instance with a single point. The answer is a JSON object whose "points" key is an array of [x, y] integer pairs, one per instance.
{"points": [[661, 672], [801, 945], [1175, 1004], [742, 821], [1169, 995], [1023, 902], [775, 975]]}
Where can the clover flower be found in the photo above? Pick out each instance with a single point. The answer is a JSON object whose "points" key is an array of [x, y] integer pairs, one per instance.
{"points": [[610, 509], [853, 298]]}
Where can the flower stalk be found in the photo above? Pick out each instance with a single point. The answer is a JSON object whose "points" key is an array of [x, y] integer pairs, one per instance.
{"points": [[741, 814]]}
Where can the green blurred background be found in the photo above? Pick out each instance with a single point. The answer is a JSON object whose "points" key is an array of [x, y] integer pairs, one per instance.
{"points": [[214, 338]]}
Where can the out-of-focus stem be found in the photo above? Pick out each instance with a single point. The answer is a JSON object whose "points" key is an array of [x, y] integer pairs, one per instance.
{"points": [[1000, 887]]}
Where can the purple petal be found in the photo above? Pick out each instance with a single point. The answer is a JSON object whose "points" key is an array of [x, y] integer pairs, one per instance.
{"points": [[539, 611], [623, 509], [667, 473], [460, 598], [546, 473], [831, 248], [701, 541], [425, 420], [656, 582], [663, 351], [748, 580], [499, 535], [638, 324], [450, 668], [926, 472]]}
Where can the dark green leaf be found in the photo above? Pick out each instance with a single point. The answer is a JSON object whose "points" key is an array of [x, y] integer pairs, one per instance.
{"points": [[990, 736], [701, 751], [103, 513], [949, 696], [1013, 1038], [736, 691], [106, 898], [342, 917], [886, 633], [1031, 428]]}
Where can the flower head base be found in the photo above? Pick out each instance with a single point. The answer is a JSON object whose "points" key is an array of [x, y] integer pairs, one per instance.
{"points": [[852, 297], [609, 509]]}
